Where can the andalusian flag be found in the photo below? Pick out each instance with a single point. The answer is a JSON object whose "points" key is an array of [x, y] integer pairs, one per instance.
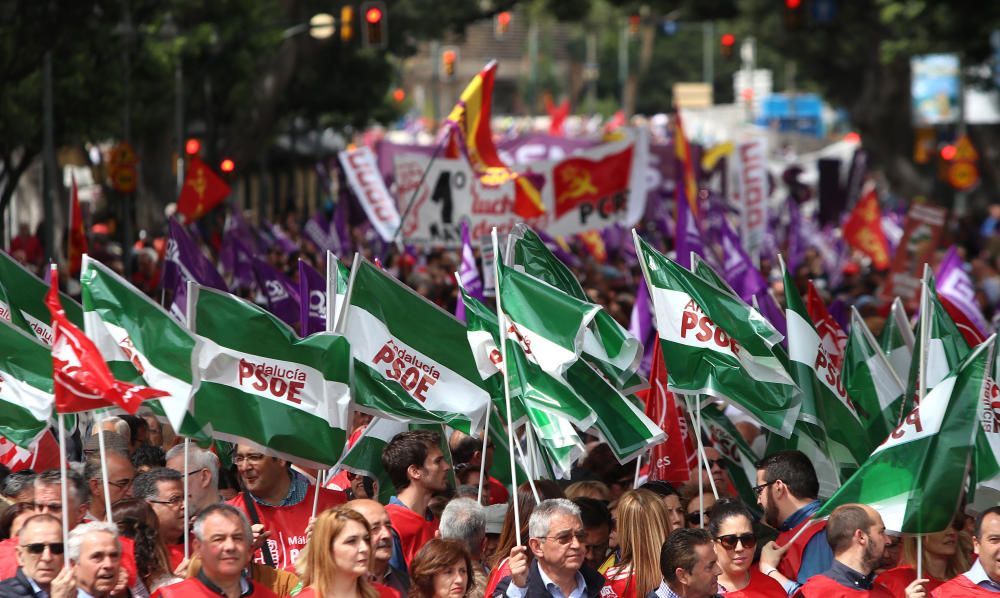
{"points": [[916, 478], [818, 378], [715, 344], [411, 358], [470, 120], [896, 340], [139, 340], [337, 275], [870, 380], [741, 459], [26, 394], [607, 345], [26, 293], [259, 382]]}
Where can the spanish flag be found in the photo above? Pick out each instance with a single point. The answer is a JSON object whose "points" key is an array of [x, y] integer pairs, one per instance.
{"points": [[687, 188], [77, 241], [470, 121]]}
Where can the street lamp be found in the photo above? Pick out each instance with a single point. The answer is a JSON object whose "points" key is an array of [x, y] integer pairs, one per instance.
{"points": [[322, 26]]}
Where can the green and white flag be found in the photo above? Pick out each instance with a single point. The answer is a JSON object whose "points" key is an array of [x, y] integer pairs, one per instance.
{"points": [[607, 344], [140, 341], [824, 400], [259, 382], [25, 293], [946, 347], [412, 360], [916, 478], [26, 398], [337, 276], [703, 270], [741, 459], [870, 380], [896, 339], [984, 489], [715, 344]]}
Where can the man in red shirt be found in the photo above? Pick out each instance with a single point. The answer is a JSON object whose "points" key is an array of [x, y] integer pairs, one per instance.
{"points": [[222, 540], [163, 489], [280, 500], [983, 579], [417, 467], [857, 536]]}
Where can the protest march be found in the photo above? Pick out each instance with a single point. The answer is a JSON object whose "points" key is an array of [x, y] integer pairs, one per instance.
{"points": [[636, 366]]}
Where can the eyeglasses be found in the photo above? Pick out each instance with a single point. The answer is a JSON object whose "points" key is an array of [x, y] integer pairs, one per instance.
{"points": [[695, 518], [720, 462], [252, 459], [39, 547], [120, 484], [757, 490], [730, 541], [191, 473], [174, 501], [567, 536]]}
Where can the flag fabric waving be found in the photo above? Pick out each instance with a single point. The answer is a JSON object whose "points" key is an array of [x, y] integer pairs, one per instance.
{"points": [[259, 382], [916, 477], [896, 339], [715, 344], [81, 378], [25, 293], [687, 187], [468, 273], [863, 230], [280, 294], [203, 190], [955, 287], [76, 244], [25, 385], [312, 300], [870, 380], [470, 120]]}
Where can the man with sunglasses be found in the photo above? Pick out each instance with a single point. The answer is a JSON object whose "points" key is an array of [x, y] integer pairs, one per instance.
{"points": [[787, 490], [41, 571], [857, 536], [556, 537]]}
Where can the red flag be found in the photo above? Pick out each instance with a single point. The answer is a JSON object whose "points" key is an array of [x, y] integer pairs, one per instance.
{"points": [[203, 190], [863, 230], [831, 335], [80, 376], [970, 332], [673, 459], [77, 245], [42, 456], [557, 114]]}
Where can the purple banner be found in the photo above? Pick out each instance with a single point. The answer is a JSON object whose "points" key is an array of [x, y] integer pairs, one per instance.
{"points": [[312, 300], [185, 261], [281, 295]]}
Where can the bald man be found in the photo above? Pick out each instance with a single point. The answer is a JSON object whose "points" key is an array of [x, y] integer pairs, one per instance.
{"points": [[384, 541]]}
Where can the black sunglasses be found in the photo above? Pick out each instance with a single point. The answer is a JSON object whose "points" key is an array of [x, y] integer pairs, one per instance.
{"points": [[730, 541], [39, 547], [695, 518]]}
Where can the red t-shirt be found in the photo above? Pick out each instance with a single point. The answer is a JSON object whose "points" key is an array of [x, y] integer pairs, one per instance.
{"points": [[897, 578], [760, 586], [383, 592], [414, 530], [619, 582], [499, 572], [821, 586], [8, 558], [176, 554], [193, 588], [961, 587], [288, 524]]}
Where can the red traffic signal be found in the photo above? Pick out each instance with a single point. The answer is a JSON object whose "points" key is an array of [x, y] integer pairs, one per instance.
{"points": [[227, 165], [192, 146], [399, 94], [501, 23], [633, 24], [728, 40], [375, 25], [793, 4], [949, 152], [449, 58]]}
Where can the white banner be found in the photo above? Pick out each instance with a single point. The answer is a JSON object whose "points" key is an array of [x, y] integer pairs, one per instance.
{"points": [[751, 157], [589, 190], [363, 176]]}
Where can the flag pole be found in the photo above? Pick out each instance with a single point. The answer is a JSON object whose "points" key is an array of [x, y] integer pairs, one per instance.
{"points": [[319, 484], [64, 491], [187, 505], [486, 436], [530, 465], [694, 409], [638, 466], [104, 467], [702, 454], [506, 386], [925, 337]]}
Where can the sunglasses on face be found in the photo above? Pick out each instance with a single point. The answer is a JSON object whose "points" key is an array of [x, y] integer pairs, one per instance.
{"points": [[567, 537], [729, 541], [695, 518], [39, 547]]}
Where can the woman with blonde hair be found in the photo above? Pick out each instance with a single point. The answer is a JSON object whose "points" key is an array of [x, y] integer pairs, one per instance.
{"points": [[642, 528], [588, 489], [442, 569], [335, 561], [944, 558]]}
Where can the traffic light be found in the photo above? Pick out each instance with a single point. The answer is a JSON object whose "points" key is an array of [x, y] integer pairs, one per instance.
{"points": [[374, 16], [346, 24], [501, 23], [399, 94], [948, 152], [227, 165], [449, 60], [727, 41], [793, 15], [633, 24], [192, 146]]}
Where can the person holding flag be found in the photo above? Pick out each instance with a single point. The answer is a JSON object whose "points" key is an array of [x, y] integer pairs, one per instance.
{"points": [[857, 536]]}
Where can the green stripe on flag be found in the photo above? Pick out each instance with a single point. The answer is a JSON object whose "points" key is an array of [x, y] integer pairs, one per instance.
{"points": [[26, 398], [26, 292]]}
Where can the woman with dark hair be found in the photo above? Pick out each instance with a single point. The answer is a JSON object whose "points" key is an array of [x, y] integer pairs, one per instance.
{"points": [[442, 569], [731, 527], [138, 524], [526, 505], [13, 518]]}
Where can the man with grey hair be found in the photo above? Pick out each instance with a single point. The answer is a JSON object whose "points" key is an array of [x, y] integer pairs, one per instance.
{"points": [[558, 570], [222, 541], [19, 486], [120, 476], [39, 556], [95, 553], [464, 520], [203, 475]]}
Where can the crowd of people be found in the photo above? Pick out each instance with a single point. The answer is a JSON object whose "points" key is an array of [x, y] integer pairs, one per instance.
{"points": [[275, 533]]}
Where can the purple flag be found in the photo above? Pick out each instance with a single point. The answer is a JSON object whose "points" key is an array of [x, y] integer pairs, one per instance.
{"points": [[312, 300], [640, 325], [954, 284], [281, 295], [796, 244], [185, 261], [468, 273], [687, 234], [319, 231], [341, 227], [746, 279], [279, 237]]}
